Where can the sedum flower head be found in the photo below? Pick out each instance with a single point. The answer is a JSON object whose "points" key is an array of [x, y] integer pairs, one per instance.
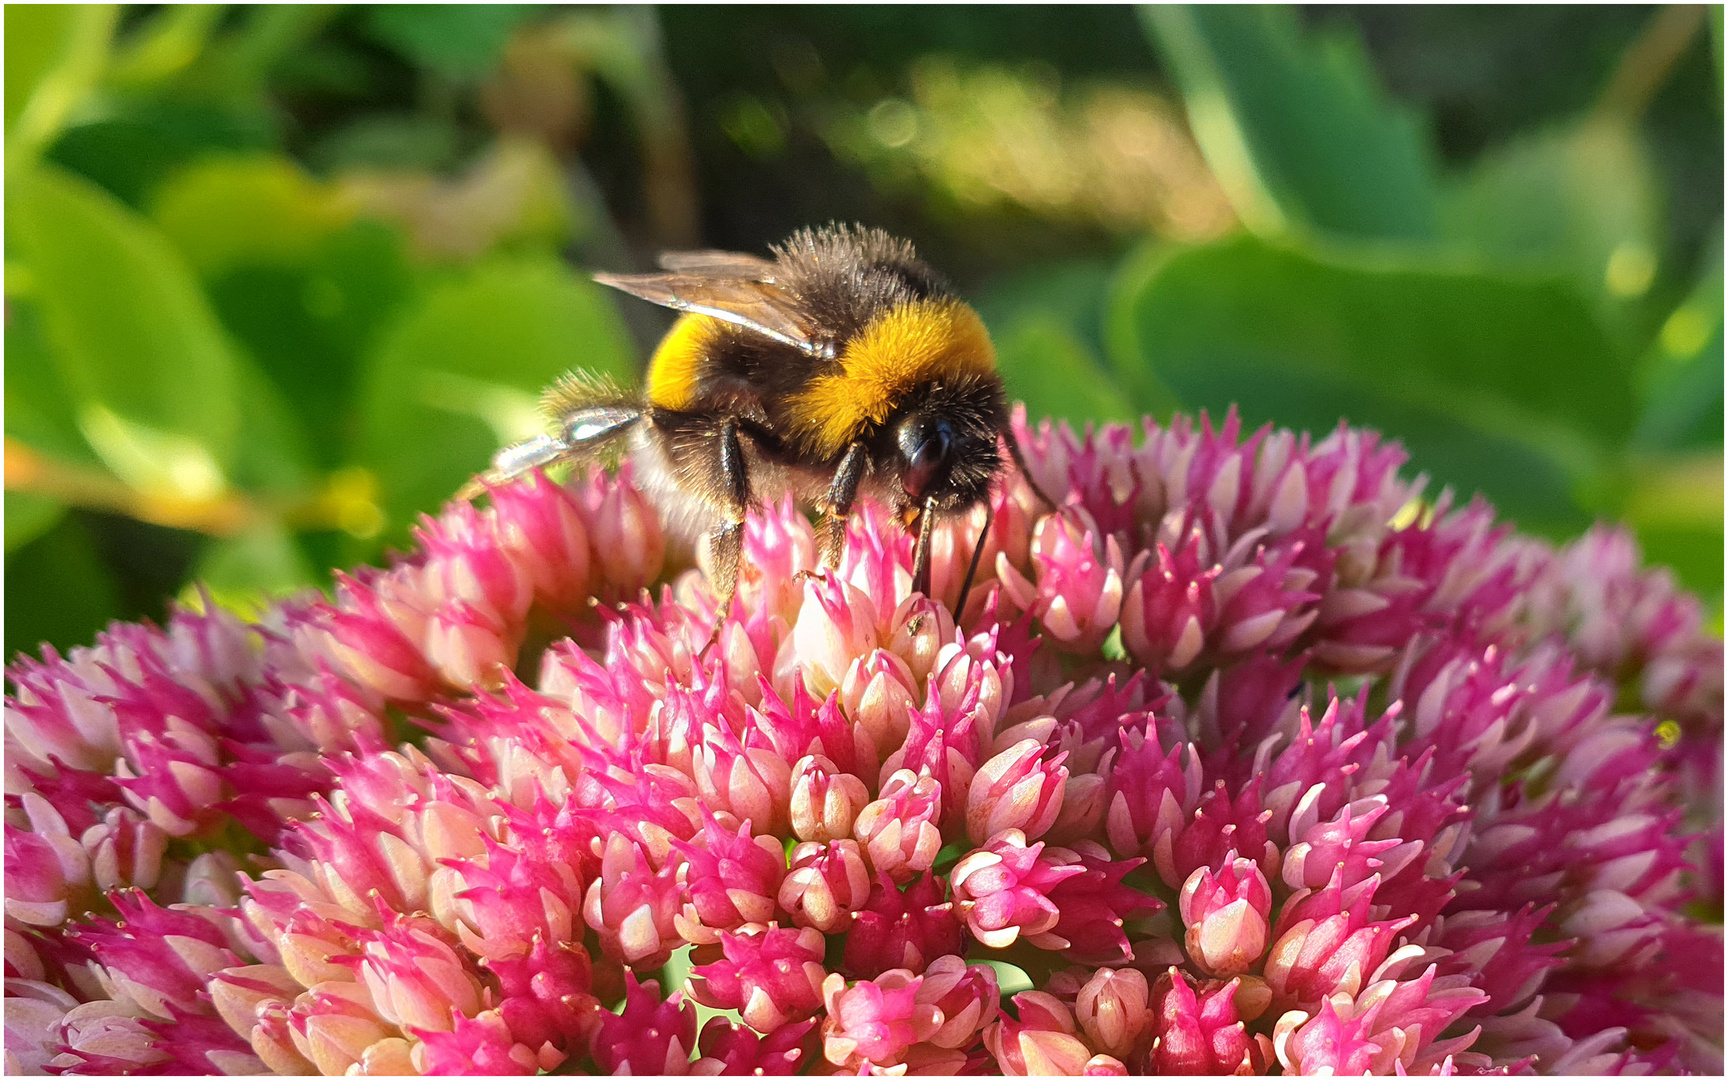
{"points": [[1250, 757]]}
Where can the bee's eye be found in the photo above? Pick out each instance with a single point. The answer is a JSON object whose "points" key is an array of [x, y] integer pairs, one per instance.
{"points": [[924, 444]]}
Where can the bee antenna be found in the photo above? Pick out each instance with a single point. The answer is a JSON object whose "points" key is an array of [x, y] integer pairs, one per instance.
{"points": [[972, 567]]}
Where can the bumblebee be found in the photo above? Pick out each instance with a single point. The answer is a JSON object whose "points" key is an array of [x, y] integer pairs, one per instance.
{"points": [[844, 366]]}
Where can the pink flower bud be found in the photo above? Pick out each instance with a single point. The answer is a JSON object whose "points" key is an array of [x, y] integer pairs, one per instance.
{"points": [[1202, 1033], [771, 975], [416, 980], [1322, 848], [545, 996], [242, 995], [900, 830], [730, 1049], [1078, 597], [1020, 788], [106, 1031], [481, 1045], [502, 903], [876, 1021], [43, 871], [626, 540], [468, 645], [1042, 1042], [778, 546], [879, 698], [158, 957], [898, 929], [539, 526], [1325, 1042], [1082, 813], [1111, 1008], [333, 714], [374, 636], [826, 883], [632, 906], [311, 946], [464, 561], [971, 683], [754, 784], [922, 628], [877, 560], [965, 997], [175, 777], [825, 801], [1093, 906], [1612, 927], [1169, 608], [732, 878], [56, 716], [1002, 889], [836, 624], [1326, 943], [649, 1036], [333, 1025], [1228, 917]]}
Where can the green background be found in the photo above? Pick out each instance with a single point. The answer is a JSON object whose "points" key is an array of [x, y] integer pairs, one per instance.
{"points": [[279, 279]]}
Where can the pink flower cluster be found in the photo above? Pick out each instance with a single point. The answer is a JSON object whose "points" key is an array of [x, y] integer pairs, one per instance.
{"points": [[1249, 758]]}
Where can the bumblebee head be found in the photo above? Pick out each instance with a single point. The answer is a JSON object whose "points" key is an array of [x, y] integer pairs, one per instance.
{"points": [[945, 442]]}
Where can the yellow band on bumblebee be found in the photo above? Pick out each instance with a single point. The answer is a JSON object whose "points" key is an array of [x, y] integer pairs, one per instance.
{"points": [[920, 342], [673, 372]]}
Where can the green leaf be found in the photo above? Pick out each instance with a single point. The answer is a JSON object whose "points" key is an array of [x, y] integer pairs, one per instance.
{"points": [[275, 456], [146, 366], [245, 572], [1294, 125], [29, 516], [254, 210], [1046, 324], [130, 151], [459, 376], [1010, 979], [309, 324], [38, 409], [1682, 372], [54, 55], [162, 47], [1580, 198], [1694, 554], [1047, 365], [391, 142], [58, 590], [460, 41], [1499, 384]]}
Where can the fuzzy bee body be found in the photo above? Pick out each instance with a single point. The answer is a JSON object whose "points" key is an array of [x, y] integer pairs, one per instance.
{"points": [[843, 367]]}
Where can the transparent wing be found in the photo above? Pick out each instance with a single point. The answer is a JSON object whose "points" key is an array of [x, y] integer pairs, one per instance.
{"points": [[720, 264], [757, 305]]}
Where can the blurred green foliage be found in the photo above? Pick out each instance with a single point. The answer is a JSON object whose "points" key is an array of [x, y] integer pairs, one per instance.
{"points": [[280, 278]]}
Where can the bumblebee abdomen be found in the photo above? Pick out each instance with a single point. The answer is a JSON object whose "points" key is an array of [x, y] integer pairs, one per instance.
{"points": [[675, 373]]}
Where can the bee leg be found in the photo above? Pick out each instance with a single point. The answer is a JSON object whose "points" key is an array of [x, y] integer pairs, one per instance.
{"points": [[972, 568], [837, 505], [516, 460], [1020, 463], [921, 553], [728, 537], [726, 546]]}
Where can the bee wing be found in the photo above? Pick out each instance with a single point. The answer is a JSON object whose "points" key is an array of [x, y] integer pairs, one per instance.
{"points": [[761, 306], [720, 264]]}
